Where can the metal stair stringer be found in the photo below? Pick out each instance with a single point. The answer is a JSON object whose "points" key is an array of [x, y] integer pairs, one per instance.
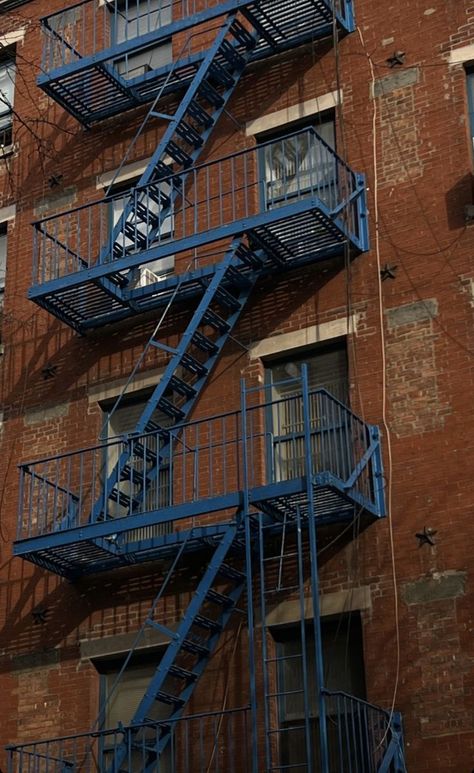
{"points": [[186, 645], [184, 139], [224, 296]]}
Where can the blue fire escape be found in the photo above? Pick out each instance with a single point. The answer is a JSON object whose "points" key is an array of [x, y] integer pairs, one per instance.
{"points": [[143, 496]]}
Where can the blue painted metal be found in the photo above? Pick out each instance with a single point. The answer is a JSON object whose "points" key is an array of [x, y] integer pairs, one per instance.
{"points": [[173, 684], [212, 202], [223, 735], [57, 493], [80, 59]]}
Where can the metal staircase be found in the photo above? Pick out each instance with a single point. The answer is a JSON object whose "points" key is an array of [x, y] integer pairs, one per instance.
{"points": [[184, 139], [223, 298], [187, 654]]}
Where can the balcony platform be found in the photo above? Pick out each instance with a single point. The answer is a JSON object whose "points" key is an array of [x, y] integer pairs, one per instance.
{"points": [[91, 76], [87, 282], [61, 530]]}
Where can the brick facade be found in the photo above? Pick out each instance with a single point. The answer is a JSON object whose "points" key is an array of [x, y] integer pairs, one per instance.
{"points": [[424, 174]]}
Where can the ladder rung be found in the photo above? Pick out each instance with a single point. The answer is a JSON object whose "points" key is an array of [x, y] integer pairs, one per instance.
{"points": [[199, 115], [181, 387], [233, 574], [178, 154], [214, 320], [219, 598], [226, 299], [182, 673], [231, 55], [171, 700], [243, 35], [210, 94], [220, 75], [189, 134], [195, 648], [194, 366], [170, 409], [204, 343], [207, 623]]}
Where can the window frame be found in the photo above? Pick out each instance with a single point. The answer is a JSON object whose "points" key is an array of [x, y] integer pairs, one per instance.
{"points": [[125, 64], [4, 235], [469, 81], [285, 132], [7, 63]]}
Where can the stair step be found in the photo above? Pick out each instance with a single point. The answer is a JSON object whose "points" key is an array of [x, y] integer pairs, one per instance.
{"points": [[194, 366], [170, 700], [230, 53], [146, 215], [207, 623], [204, 343], [236, 276], [199, 115], [124, 500], [178, 154], [226, 299], [182, 673], [248, 257], [181, 387], [144, 451], [189, 134], [220, 75], [170, 409], [210, 94], [129, 473], [215, 320], [219, 598], [233, 574], [152, 426], [158, 196], [190, 645], [243, 35], [139, 238]]}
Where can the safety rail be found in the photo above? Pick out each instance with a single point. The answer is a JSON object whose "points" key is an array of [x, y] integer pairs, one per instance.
{"points": [[254, 188], [217, 741], [204, 468], [117, 28], [362, 736]]}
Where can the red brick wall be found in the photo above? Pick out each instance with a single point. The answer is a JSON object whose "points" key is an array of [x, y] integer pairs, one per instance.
{"points": [[424, 181]]}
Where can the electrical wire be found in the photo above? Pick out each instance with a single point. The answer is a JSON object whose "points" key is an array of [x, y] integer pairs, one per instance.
{"points": [[384, 394]]}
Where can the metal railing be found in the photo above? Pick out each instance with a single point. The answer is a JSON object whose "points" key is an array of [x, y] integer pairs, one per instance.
{"points": [[362, 737], [206, 200], [201, 743], [92, 27], [203, 461]]}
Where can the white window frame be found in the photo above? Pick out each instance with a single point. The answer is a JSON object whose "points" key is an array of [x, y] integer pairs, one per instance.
{"points": [[132, 23]]}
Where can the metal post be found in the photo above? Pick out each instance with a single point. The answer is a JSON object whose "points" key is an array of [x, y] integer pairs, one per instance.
{"points": [[324, 755], [248, 563]]}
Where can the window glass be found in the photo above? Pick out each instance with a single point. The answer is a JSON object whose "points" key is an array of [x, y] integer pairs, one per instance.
{"points": [[470, 102], [156, 270], [300, 164], [344, 671], [330, 435], [3, 254], [135, 18], [7, 95]]}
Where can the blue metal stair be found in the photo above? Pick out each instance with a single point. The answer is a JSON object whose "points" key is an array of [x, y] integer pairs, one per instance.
{"points": [[223, 297], [183, 141], [188, 652]]}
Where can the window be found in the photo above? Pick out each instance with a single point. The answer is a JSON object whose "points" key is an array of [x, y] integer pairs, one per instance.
{"points": [[7, 94], [344, 671], [3, 255], [330, 449], [134, 18], [470, 102], [156, 270], [158, 493], [296, 163], [121, 698]]}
